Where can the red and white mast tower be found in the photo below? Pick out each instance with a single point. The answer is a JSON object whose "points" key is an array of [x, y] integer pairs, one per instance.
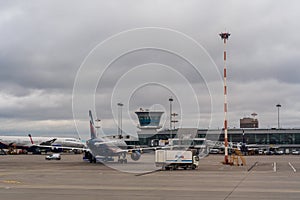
{"points": [[224, 36]]}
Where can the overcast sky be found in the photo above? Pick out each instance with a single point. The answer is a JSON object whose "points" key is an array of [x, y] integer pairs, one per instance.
{"points": [[44, 43]]}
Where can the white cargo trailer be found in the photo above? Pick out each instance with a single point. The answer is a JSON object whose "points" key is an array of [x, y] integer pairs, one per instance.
{"points": [[174, 159]]}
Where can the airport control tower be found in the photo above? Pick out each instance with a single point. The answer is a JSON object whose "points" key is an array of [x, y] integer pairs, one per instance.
{"points": [[149, 122]]}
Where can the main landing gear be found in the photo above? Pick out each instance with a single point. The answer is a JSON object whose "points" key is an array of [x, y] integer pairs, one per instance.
{"points": [[123, 159]]}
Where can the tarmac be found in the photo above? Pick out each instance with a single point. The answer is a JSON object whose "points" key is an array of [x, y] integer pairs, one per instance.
{"points": [[32, 177]]}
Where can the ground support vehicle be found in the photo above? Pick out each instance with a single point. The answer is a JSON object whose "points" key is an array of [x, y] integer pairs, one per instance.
{"points": [[175, 159], [55, 156]]}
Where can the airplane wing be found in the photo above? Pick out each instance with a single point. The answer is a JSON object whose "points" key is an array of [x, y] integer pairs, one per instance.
{"points": [[49, 142], [142, 149], [61, 147], [116, 150], [11, 144], [106, 142]]}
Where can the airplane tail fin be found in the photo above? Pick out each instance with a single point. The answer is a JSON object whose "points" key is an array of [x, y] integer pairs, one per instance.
{"points": [[29, 135], [92, 126]]}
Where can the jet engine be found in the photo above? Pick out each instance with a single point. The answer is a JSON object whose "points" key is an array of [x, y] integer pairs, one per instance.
{"points": [[135, 155]]}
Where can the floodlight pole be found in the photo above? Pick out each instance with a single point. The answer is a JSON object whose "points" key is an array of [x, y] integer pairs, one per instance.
{"points": [[224, 37], [170, 100], [278, 106], [120, 105]]}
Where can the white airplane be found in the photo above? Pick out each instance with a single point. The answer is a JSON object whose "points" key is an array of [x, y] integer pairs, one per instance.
{"points": [[35, 144], [104, 149]]}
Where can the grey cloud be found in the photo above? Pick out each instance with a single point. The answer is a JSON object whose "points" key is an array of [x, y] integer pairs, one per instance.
{"points": [[42, 45]]}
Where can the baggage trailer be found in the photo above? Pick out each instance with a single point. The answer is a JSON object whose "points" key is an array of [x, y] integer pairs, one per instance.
{"points": [[174, 159]]}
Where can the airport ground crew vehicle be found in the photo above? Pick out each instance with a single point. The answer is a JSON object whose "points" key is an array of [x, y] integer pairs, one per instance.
{"points": [[174, 159]]}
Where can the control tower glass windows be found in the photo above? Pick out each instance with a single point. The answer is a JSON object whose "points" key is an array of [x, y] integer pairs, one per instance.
{"points": [[149, 118]]}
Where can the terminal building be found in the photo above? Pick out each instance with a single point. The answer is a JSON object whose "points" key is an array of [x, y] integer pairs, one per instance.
{"points": [[248, 122], [252, 136], [149, 123]]}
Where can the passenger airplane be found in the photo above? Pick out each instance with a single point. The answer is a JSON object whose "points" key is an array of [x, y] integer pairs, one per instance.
{"points": [[35, 144], [104, 149]]}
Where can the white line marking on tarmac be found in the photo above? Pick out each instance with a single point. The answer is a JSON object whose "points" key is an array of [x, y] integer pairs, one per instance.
{"points": [[274, 167], [292, 167]]}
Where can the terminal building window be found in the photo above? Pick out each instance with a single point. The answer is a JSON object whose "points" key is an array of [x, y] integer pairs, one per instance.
{"points": [[261, 139], [274, 138], [297, 139]]}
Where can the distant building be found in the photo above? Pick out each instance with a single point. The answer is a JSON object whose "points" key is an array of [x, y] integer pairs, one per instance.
{"points": [[248, 122], [284, 138]]}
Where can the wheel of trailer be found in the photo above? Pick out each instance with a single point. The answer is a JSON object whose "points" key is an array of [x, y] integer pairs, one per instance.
{"points": [[125, 161]]}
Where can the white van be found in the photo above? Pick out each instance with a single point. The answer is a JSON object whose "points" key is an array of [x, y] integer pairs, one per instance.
{"points": [[55, 156]]}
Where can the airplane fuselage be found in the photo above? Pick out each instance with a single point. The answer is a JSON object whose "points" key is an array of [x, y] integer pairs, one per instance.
{"points": [[24, 142], [106, 148]]}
